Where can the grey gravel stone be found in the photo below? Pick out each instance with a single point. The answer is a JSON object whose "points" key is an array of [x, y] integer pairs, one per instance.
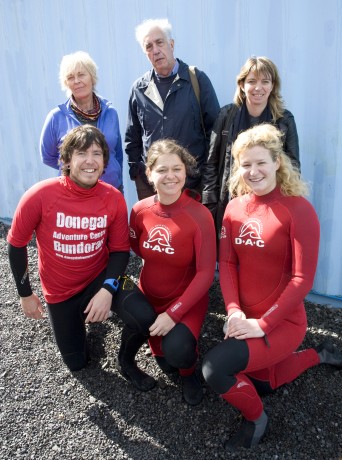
{"points": [[47, 412]]}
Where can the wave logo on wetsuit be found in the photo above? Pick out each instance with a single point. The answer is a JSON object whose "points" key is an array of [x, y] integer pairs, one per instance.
{"points": [[132, 233], [223, 232], [250, 234], [159, 238]]}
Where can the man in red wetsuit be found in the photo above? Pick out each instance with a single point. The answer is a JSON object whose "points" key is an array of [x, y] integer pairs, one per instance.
{"points": [[82, 238], [268, 256], [175, 236]]}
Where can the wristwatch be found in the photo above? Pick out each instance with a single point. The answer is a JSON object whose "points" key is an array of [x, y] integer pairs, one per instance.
{"points": [[111, 284]]}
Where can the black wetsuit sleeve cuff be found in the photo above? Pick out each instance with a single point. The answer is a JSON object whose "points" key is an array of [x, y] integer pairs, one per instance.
{"points": [[19, 265], [117, 264]]}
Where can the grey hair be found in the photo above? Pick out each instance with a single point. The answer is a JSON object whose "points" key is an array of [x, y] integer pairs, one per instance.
{"points": [[70, 62], [146, 26]]}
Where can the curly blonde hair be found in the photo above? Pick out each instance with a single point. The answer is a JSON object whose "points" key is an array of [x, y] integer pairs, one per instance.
{"points": [[268, 136], [261, 66]]}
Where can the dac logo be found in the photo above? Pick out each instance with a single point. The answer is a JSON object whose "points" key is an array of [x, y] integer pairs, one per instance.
{"points": [[250, 234], [159, 238], [223, 233], [132, 233]]}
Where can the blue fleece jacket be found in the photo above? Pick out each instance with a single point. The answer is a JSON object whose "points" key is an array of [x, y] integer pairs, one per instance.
{"points": [[62, 119]]}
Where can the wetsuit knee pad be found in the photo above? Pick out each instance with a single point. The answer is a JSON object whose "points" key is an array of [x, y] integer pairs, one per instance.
{"points": [[133, 307], [180, 347], [223, 362], [75, 361]]}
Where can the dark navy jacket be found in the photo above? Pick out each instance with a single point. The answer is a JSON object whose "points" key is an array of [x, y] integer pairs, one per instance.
{"points": [[149, 119]]}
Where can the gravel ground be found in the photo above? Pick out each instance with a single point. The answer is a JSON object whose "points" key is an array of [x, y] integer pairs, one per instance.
{"points": [[48, 412]]}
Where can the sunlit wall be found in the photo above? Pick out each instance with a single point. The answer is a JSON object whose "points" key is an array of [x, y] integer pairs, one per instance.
{"points": [[304, 39]]}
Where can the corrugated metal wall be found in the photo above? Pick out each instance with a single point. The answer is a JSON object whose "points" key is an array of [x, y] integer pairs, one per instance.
{"points": [[304, 38]]}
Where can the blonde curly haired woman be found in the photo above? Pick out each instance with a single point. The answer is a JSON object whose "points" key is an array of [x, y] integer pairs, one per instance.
{"points": [[268, 257]]}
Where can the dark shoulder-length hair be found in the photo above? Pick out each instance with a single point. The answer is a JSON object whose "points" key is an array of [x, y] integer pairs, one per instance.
{"points": [[81, 138]]}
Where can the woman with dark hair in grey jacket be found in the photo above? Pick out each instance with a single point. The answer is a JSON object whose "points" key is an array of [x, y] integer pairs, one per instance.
{"points": [[257, 100]]}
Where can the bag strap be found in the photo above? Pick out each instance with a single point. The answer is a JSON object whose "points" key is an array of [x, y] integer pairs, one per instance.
{"points": [[196, 88]]}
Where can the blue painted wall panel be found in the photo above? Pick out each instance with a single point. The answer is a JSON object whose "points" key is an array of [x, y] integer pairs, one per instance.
{"points": [[304, 38]]}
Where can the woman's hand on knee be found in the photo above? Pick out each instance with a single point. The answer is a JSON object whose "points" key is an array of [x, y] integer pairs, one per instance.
{"points": [[243, 329], [162, 325], [237, 314]]}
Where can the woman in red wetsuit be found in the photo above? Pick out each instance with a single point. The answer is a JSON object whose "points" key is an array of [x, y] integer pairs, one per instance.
{"points": [[268, 257], [174, 234]]}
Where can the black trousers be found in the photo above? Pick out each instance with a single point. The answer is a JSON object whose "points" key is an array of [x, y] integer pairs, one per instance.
{"points": [[68, 318], [130, 304]]}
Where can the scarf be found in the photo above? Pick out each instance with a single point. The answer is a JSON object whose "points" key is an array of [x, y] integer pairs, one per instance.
{"points": [[242, 120], [89, 116]]}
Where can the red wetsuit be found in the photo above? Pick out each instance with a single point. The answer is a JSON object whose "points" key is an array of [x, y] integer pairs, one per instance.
{"points": [[268, 257], [177, 244], [76, 228]]}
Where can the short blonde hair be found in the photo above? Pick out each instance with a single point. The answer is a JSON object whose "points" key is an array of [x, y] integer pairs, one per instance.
{"points": [[267, 136], [69, 64], [145, 27]]}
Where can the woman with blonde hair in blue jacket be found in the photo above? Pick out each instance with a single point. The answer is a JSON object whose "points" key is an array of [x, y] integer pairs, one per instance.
{"points": [[78, 77]]}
